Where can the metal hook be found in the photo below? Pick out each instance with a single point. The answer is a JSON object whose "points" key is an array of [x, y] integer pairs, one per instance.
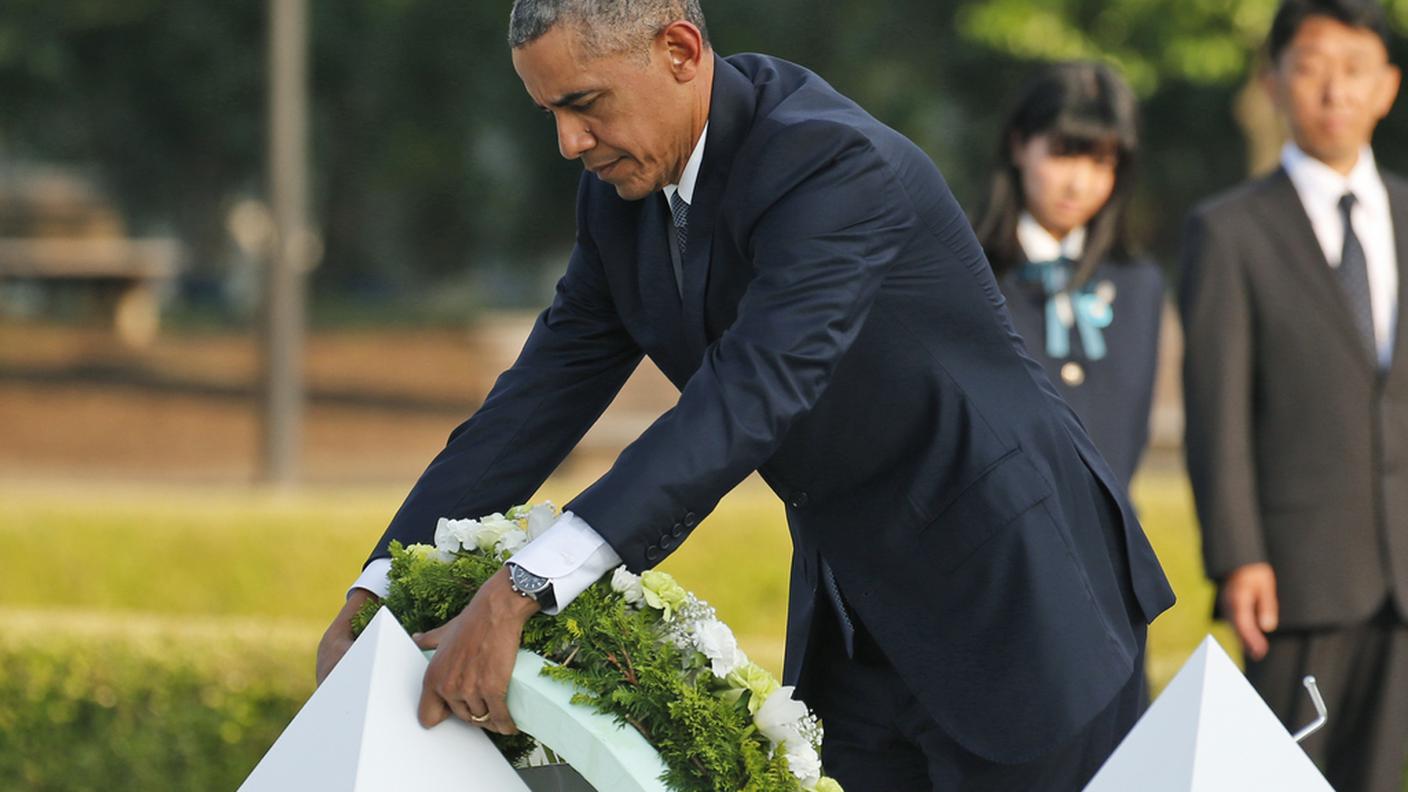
{"points": [[1322, 713]]}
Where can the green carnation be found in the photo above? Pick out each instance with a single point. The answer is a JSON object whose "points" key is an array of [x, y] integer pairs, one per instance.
{"points": [[827, 784], [757, 681], [662, 593]]}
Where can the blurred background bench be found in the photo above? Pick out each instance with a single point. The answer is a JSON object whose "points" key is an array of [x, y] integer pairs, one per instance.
{"points": [[59, 234]]}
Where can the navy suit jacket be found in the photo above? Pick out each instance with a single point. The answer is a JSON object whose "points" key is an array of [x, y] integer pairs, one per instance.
{"points": [[840, 333]]}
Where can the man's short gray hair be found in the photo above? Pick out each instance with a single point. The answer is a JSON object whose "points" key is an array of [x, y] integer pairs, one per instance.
{"points": [[604, 26]]}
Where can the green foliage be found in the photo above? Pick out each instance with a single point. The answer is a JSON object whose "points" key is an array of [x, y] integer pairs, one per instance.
{"points": [[142, 705], [1201, 41], [618, 660]]}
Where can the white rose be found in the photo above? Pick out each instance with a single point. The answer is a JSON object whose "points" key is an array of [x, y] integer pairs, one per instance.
{"points": [[511, 541], [779, 718], [628, 585], [716, 641], [803, 762], [451, 535], [541, 518], [492, 530]]}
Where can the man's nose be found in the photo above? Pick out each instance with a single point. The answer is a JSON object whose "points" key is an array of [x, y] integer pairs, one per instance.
{"points": [[573, 138], [1337, 88]]}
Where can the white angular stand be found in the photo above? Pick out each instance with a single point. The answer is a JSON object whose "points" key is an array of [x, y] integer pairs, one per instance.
{"points": [[1209, 731], [359, 731]]}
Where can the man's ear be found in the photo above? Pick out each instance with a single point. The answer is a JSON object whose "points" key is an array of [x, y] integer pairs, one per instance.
{"points": [[1388, 90], [684, 46]]}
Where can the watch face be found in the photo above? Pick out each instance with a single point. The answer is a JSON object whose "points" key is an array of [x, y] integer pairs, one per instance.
{"points": [[526, 581]]}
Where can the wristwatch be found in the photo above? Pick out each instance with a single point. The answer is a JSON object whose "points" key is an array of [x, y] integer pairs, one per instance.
{"points": [[531, 586]]}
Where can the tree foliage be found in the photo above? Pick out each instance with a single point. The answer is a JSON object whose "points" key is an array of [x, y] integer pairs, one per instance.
{"points": [[431, 164]]}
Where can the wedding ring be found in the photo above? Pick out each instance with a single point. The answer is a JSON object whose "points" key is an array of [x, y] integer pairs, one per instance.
{"points": [[479, 718]]}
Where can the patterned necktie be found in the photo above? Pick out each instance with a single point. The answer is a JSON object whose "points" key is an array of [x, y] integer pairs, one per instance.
{"points": [[679, 208], [1353, 275]]}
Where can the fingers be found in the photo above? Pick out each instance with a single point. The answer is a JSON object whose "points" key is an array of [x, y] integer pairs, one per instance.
{"points": [[1268, 610], [1253, 640], [330, 652], [430, 639], [433, 709], [499, 718]]}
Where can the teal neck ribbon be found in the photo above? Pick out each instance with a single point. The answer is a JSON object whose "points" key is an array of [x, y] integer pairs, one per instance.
{"points": [[1084, 310]]}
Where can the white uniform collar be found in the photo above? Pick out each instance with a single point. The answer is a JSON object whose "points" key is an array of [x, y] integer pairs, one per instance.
{"points": [[1039, 245]]}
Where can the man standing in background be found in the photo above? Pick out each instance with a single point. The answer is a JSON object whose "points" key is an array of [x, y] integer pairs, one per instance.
{"points": [[1297, 406]]}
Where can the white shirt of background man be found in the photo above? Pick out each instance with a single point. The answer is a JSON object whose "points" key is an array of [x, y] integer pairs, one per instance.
{"points": [[569, 552], [1320, 188]]}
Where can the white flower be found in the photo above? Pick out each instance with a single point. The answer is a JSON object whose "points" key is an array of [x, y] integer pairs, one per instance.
{"points": [[511, 541], [628, 585], [716, 641], [540, 518], [492, 529], [451, 535], [780, 718], [803, 762]]}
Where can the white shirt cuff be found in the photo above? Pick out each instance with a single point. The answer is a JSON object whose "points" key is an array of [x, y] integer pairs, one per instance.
{"points": [[376, 578], [571, 555]]}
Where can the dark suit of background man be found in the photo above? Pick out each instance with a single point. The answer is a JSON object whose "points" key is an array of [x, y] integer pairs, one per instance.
{"points": [[1297, 398], [969, 596]]}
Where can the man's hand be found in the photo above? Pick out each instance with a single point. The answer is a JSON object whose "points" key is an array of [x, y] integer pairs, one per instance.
{"points": [[474, 656], [338, 638], [1249, 600]]}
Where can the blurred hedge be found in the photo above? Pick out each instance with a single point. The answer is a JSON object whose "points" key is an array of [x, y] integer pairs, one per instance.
{"points": [[143, 703]]}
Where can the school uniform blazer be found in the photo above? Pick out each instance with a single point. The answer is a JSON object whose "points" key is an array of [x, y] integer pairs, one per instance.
{"points": [[1115, 393], [841, 333], [1297, 446]]}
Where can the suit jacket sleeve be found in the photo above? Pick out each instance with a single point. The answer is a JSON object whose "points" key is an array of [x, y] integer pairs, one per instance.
{"points": [[823, 220], [1218, 385], [575, 360]]}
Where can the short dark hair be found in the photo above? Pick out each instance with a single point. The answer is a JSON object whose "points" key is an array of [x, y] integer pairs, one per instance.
{"points": [[605, 26], [1366, 14], [1086, 108]]}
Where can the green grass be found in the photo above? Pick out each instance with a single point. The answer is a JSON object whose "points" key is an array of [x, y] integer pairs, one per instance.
{"points": [[190, 556]]}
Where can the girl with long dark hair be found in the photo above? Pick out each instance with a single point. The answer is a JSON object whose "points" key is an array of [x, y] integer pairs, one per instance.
{"points": [[1054, 232]]}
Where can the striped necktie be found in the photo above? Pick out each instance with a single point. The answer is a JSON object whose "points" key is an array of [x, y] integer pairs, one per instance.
{"points": [[679, 208], [1353, 274]]}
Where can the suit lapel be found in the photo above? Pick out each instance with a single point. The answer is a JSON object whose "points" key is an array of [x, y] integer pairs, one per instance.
{"points": [[1284, 216], [730, 117], [660, 297]]}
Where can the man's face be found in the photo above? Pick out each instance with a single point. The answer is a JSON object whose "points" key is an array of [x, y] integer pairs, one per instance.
{"points": [[626, 117], [1333, 83]]}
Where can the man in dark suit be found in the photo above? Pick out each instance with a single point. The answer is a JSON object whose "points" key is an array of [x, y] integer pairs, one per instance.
{"points": [[969, 594], [1297, 400]]}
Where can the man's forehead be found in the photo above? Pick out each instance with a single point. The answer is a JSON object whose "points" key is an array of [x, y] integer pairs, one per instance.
{"points": [[556, 71], [1322, 34]]}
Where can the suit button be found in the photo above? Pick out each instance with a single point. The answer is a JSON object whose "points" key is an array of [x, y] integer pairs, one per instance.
{"points": [[690, 520], [666, 543], [652, 553], [678, 530], [799, 500], [1073, 374]]}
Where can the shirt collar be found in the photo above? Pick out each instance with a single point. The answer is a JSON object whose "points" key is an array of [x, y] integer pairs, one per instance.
{"points": [[1039, 245], [691, 171], [1322, 185]]}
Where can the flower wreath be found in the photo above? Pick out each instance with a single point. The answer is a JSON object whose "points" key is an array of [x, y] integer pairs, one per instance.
{"points": [[636, 647]]}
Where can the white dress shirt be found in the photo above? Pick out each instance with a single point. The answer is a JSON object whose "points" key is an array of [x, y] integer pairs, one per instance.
{"points": [[569, 552], [1320, 188]]}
